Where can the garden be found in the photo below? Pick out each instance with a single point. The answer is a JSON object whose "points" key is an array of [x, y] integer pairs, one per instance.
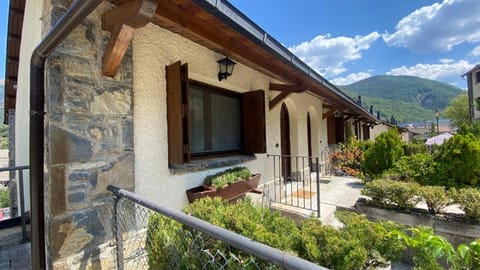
{"points": [[397, 177], [360, 244]]}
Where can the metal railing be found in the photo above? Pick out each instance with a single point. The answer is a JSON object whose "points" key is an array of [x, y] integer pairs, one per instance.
{"points": [[296, 182], [23, 214], [187, 242]]}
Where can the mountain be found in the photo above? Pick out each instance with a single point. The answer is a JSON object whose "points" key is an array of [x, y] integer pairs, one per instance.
{"points": [[407, 98]]}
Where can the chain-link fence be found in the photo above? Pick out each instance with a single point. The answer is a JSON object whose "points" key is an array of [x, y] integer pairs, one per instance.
{"points": [[149, 236]]}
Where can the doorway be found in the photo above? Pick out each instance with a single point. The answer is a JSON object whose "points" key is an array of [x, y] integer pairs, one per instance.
{"points": [[285, 143], [309, 141]]}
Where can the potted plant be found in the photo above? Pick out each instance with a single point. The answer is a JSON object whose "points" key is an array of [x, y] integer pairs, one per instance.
{"points": [[229, 184]]}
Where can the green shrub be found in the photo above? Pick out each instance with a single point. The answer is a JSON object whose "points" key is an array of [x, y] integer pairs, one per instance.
{"points": [[467, 256], [435, 197], [469, 200], [417, 167], [171, 245], [4, 198], [242, 217], [162, 241], [375, 237], [381, 156], [415, 147], [427, 247], [458, 161], [392, 194], [328, 247], [227, 177]]}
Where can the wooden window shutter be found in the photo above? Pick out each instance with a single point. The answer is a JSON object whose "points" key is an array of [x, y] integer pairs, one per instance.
{"points": [[177, 113], [339, 129], [254, 135], [366, 132], [331, 130]]}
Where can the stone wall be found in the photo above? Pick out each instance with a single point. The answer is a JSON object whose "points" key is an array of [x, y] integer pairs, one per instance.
{"points": [[89, 144]]}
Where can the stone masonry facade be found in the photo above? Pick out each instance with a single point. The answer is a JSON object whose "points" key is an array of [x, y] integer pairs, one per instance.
{"points": [[89, 145]]}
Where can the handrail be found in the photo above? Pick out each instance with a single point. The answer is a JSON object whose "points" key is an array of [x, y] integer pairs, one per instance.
{"points": [[262, 251], [14, 168]]}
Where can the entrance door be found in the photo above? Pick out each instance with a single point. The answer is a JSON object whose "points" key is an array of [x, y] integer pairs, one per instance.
{"points": [[309, 138], [285, 142]]}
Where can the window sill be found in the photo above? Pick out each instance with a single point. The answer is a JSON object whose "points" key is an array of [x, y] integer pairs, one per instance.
{"points": [[204, 164]]}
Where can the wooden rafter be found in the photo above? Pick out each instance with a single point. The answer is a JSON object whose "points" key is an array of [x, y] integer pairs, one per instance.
{"points": [[122, 22], [116, 48], [328, 106], [286, 87], [328, 113], [348, 117], [277, 99]]}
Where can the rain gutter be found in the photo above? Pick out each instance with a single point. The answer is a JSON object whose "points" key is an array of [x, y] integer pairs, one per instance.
{"points": [[73, 17]]}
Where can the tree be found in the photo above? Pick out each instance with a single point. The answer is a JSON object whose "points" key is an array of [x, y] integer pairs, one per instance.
{"points": [[386, 149], [457, 110], [4, 198]]}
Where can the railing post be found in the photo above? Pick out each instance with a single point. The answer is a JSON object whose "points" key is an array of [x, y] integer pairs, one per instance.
{"points": [[22, 207], [118, 233], [318, 190]]}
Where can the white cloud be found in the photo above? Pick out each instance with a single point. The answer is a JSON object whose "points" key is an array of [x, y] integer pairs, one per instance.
{"points": [[2, 82], [438, 27], [475, 52], [351, 78], [446, 72], [446, 61], [327, 55]]}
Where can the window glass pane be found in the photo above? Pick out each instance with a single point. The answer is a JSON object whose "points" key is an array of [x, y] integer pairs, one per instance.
{"points": [[197, 140], [215, 121], [225, 123]]}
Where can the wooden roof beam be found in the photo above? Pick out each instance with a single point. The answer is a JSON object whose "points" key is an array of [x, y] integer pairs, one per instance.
{"points": [[122, 22], [348, 117], [277, 99], [328, 113], [286, 87]]}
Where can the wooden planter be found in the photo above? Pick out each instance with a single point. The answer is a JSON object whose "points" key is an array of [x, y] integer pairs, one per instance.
{"points": [[227, 193]]}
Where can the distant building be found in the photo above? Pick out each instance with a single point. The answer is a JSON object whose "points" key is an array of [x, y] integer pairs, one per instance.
{"points": [[473, 82]]}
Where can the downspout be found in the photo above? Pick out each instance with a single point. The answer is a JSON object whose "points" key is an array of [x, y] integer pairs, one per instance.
{"points": [[69, 21]]}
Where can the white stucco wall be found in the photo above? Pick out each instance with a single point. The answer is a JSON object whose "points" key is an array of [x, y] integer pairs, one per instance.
{"points": [[153, 49], [377, 130], [31, 37]]}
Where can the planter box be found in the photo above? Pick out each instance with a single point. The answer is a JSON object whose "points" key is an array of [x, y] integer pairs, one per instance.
{"points": [[227, 193], [200, 192]]}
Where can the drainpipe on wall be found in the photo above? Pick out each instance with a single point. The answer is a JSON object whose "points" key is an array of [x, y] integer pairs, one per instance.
{"points": [[69, 21]]}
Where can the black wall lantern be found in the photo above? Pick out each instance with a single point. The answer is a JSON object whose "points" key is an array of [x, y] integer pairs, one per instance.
{"points": [[226, 68]]}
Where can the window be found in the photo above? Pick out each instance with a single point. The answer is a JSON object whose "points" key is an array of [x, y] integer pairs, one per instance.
{"points": [[477, 76], [203, 120], [215, 121]]}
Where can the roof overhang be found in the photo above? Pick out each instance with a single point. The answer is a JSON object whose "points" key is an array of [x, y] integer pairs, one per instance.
{"points": [[219, 26], [14, 36]]}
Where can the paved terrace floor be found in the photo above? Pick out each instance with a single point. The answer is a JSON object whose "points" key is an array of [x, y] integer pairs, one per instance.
{"points": [[13, 253], [301, 199]]}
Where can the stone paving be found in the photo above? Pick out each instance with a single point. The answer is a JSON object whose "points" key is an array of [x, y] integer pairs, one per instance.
{"points": [[334, 191], [14, 254]]}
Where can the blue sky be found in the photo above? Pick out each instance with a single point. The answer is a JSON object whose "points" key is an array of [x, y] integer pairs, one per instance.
{"points": [[349, 40], [3, 37]]}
